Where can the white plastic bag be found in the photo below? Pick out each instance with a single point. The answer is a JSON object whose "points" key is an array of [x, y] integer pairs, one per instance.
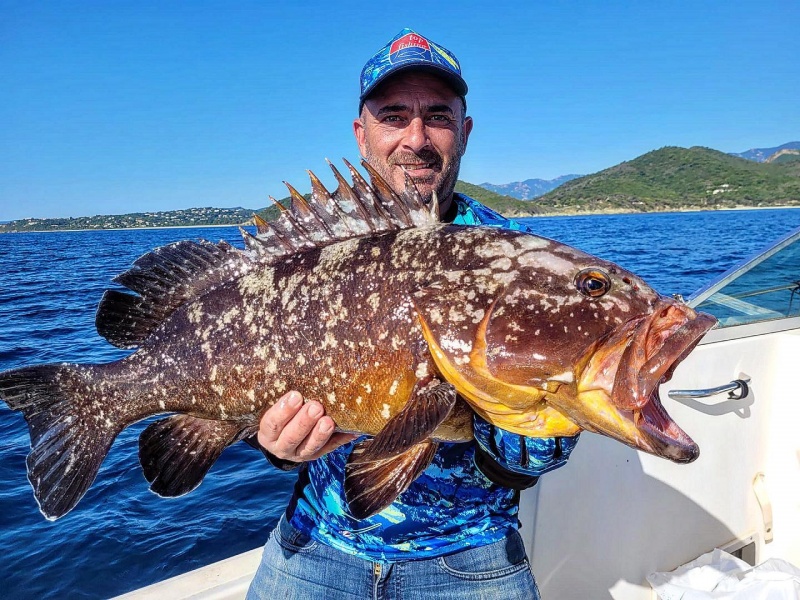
{"points": [[719, 576]]}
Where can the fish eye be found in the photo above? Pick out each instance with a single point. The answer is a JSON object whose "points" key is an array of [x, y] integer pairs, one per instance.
{"points": [[592, 283]]}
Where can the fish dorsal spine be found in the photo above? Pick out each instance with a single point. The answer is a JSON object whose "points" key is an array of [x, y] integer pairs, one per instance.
{"points": [[173, 275], [353, 210]]}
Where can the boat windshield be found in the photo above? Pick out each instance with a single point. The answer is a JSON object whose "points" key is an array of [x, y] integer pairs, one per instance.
{"points": [[763, 288]]}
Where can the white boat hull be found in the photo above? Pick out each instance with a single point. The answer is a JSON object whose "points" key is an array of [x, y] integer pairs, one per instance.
{"points": [[599, 526]]}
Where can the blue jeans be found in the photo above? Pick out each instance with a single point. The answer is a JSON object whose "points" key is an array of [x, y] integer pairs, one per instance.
{"points": [[295, 567]]}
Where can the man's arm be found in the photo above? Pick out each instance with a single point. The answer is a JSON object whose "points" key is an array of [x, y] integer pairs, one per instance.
{"points": [[516, 461], [291, 432]]}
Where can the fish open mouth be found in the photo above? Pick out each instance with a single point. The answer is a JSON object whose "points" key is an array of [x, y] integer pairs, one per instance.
{"points": [[666, 438], [666, 339], [646, 354]]}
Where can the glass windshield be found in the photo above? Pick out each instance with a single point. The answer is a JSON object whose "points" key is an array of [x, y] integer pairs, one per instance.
{"points": [[764, 288]]}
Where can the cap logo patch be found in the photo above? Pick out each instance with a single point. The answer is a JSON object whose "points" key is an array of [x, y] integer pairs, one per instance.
{"points": [[410, 47]]}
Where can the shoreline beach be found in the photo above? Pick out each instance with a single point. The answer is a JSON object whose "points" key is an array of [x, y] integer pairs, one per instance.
{"points": [[510, 215]]}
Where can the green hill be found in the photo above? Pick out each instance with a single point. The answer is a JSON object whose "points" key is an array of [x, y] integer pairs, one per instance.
{"points": [[675, 178], [784, 156], [505, 205], [667, 179]]}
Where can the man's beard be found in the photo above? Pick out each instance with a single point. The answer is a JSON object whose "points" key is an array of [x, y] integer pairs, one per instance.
{"points": [[443, 181]]}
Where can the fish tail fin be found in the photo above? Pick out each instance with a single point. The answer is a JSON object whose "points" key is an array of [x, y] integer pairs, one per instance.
{"points": [[69, 436]]}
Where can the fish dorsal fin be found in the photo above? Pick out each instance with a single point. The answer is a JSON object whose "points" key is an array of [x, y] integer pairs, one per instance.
{"points": [[163, 280], [353, 210], [172, 275]]}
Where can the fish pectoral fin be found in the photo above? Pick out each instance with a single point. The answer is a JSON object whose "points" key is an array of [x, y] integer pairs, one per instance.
{"points": [[177, 452], [371, 486], [431, 402]]}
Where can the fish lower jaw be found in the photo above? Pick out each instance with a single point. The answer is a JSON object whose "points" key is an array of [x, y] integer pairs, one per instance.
{"points": [[647, 428], [662, 434]]}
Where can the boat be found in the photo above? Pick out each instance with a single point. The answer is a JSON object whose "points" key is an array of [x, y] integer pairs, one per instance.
{"points": [[598, 527]]}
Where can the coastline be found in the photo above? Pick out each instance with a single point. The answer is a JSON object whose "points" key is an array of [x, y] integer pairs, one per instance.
{"points": [[581, 213], [127, 228], [511, 215]]}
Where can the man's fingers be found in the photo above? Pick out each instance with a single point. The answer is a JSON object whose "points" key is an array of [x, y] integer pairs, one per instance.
{"points": [[299, 428], [277, 417], [291, 430], [322, 440]]}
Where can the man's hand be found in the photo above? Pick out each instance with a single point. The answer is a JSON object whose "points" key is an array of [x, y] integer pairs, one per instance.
{"points": [[297, 432]]}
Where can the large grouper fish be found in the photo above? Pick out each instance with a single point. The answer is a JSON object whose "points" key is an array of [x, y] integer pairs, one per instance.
{"points": [[401, 325]]}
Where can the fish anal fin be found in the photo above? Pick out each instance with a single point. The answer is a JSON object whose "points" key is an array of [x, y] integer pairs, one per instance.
{"points": [[176, 452], [370, 487], [430, 404]]}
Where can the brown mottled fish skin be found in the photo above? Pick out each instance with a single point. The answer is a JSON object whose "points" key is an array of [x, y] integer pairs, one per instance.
{"points": [[337, 323], [401, 334]]}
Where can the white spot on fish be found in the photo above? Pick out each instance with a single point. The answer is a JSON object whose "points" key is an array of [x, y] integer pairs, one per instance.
{"points": [[385, 411], [374, 300], [501, 264], [456, 344], [565, 377], [548, 262]]}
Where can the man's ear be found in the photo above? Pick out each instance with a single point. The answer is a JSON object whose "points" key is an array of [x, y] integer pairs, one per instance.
{"points": [[465, 131], [361, 136]]}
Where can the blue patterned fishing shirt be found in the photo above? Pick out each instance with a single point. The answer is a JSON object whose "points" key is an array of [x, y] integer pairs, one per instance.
{"points": [[452, 505]]}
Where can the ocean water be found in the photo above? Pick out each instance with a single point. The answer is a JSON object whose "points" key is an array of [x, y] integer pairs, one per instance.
{"points": [[121, 537]]}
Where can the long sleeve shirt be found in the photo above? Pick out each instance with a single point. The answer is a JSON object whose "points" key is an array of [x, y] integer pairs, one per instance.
{"points": [[468, 496]]}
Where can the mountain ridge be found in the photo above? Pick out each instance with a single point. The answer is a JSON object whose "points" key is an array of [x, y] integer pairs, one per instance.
{"points": [[528, 189], [762, 154], [675, 178], [668, 179]]}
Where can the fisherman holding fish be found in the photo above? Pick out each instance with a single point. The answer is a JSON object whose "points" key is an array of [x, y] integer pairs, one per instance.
{"points": [[467, 356], [453, 532]]}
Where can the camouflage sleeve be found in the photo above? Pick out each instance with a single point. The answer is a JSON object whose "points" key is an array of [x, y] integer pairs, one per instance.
{"points": [[516, 461]]}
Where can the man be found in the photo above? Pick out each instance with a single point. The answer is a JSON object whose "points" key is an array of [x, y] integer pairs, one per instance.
{"points": [[453, 533]]}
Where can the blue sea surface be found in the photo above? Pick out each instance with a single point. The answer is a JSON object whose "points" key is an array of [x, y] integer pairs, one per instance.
{"points": [[121, 536]]}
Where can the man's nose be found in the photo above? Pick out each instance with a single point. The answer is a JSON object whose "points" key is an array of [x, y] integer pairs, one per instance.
{"points": [[416, 137]]}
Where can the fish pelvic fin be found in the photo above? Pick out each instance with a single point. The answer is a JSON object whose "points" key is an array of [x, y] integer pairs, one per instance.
{"points": [[178, 451], [371, 486], [69, 440], [431, 402], [163, 280], [380, 469]]}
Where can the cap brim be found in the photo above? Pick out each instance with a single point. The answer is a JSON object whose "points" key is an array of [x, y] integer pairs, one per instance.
{"points": [[455, 81]]}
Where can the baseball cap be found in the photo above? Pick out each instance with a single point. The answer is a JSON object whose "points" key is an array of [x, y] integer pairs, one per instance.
{"points": [[410, 50]]}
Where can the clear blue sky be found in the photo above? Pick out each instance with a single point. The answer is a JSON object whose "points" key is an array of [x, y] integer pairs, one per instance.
{"points": [[111, 107]]}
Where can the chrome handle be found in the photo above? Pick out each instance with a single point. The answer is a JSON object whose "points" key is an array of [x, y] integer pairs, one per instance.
{"points": [[737, 389]]}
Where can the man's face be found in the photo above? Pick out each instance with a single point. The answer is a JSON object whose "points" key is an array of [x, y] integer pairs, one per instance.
{"points": [[414, 121]]}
